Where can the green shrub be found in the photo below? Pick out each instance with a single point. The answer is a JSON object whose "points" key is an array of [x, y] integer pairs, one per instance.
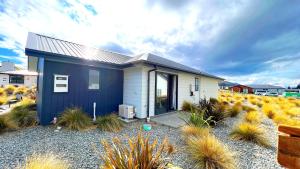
{"points": [[9, 89], [209, 153], [250, 132], [197, 119], [110, 123], [75, 119], [141, 153]]}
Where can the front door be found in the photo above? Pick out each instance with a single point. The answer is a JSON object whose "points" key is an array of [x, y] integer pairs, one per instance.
{"points": [[165, 97]]}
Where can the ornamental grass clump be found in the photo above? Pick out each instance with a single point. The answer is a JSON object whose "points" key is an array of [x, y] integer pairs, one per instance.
{"points": [[270, 110], [187, 106], [9, 89], [6, 124], [23, 114], [252, 117], [209, 153], [139, 153], [21, 90], [235, 110], [110, 123], [249, 132], [193, 131], [75, 119], [45, 161]]}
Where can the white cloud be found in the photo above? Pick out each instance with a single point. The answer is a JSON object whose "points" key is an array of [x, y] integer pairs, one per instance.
{"points": [[131, 24]]}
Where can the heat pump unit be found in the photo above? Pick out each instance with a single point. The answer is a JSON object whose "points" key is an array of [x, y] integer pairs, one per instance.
{"points": [[126, 111]]}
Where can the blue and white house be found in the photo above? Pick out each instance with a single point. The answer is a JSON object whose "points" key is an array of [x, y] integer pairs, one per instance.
{"points": [[71, 74]]}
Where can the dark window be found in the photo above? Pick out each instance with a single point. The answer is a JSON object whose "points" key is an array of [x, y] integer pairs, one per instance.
{"points": [[94, 79], [196, 84], [18, 79]]}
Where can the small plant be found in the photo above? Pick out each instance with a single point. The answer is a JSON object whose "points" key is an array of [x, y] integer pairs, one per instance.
{"points": [[3, 100], [21, 90], [209, 153], [45, 161], [235, 110], [22, 116], [197, 119], [212, 112], [75, 119], [109, 122], [192, 131], [269, 110], [248, 108], [186, 106], [140, 153], [9, 89], [213, 101], [5, 124], [252, 117], [2, 91], [250, 132]]}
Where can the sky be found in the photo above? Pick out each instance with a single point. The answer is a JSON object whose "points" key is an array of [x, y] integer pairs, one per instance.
{"points": [[244, 41]]}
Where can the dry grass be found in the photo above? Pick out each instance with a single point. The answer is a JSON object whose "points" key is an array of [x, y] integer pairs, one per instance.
{"points": [[235, 110], [110, 123], [253, 117], [9, 89], [140, 154], [75, 119], [193, 131], [187, 106], [250, 132], [209, 153], [45, 161], [269, 111]]}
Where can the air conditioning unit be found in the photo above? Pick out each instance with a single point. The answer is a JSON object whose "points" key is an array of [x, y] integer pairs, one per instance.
{"points": [[126, 111]]}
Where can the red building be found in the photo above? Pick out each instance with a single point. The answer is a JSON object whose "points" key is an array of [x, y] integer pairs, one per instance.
{"points": [[241, 89]]}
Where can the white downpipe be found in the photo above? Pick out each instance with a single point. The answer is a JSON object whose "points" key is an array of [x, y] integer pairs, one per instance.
{"points": [[94, 105]]}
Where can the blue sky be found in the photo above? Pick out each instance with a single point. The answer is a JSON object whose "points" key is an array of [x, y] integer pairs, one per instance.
{"points": [[245, 41]]}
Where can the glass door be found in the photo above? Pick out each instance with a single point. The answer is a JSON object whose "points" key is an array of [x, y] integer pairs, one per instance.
{"points": [[162, 93]]}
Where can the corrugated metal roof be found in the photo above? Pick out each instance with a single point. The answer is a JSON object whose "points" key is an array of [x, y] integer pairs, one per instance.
{"points": [[37, 42], [47, 44], [154, 59], [264, 86]]}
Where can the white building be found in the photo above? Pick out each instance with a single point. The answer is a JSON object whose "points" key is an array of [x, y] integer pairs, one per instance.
{"points": [[18, 78]]}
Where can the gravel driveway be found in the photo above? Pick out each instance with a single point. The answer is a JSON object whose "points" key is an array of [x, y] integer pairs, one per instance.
{"points": [[77, 147]]}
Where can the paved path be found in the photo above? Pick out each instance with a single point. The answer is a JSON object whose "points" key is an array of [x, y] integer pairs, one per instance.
{"points": [[172, 119]]}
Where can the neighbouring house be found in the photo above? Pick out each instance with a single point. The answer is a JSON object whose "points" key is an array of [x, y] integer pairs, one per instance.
{"points": [[225, 85], [7, 66], [268, 88], [18, 78], [241, 89], [70, 74]]}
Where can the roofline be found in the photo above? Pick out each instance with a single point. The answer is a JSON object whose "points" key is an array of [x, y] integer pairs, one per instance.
{"points": [[152, 63], [16, 74]]}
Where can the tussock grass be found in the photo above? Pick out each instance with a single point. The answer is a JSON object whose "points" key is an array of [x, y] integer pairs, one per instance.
{"points": [[45, 161], [75, 119], [110, 123], [187, 106], [249, 132], [193, 131], [6, 124], [209, 153], [9, 89], [252, 117], [235, 110], [248, 108], [141, 153], [269, 110], [21, 90]]}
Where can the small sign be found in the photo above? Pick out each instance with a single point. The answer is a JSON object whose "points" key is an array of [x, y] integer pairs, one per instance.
{"points": [[61, 83]]}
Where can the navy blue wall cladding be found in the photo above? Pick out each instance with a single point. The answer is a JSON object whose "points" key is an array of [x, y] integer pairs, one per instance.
{"points": [[107, 98]]}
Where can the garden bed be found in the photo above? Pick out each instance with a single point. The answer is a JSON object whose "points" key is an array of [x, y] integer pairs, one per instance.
{"points": [[78, 147]]}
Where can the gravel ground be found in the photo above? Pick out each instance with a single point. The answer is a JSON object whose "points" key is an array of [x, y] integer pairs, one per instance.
{"points": [[78, 149], [250, 155]]}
